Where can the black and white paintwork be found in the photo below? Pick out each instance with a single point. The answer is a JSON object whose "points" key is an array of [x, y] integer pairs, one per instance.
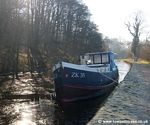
{"points": [[96, 75]]}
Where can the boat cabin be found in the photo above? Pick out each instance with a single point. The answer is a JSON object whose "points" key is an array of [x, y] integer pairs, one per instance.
{"points": [[100, 58]]}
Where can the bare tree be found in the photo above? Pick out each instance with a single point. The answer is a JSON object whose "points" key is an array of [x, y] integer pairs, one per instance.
{"points": [[135, 29], [147, 37], [44, 30]]}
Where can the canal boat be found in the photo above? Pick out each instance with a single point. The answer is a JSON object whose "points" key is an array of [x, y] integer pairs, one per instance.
{"points": [[96, 75]]}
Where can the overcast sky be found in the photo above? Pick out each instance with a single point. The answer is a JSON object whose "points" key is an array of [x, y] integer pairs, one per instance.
{"points": [[110, 15]]}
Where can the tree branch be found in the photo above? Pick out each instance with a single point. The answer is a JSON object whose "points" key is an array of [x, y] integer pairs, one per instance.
{"points": [[129, 28]]}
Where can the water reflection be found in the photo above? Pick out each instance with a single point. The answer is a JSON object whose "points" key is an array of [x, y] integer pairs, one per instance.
{"points": [[26, 113], [46, 111]]}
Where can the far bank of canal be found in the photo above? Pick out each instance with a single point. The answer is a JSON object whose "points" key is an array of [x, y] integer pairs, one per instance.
{"points": [[130, 102]]}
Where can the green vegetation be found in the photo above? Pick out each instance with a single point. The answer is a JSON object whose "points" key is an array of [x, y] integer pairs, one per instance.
{"points": [[140, 61]]}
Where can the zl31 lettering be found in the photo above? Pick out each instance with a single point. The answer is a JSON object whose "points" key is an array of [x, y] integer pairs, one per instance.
{"points": [[77, 75]]}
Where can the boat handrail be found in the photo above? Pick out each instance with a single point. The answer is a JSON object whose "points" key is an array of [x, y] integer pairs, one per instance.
{"points": [[98, 65]]}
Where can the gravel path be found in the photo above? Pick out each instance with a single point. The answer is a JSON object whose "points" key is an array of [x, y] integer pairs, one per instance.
{"points": [[130, 101]]}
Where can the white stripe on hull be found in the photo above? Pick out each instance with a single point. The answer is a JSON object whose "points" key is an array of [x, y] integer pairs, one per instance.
{"points": [[84, 67]]}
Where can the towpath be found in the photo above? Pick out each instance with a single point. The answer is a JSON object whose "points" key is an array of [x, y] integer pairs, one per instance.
{"points": [[130, 102]]}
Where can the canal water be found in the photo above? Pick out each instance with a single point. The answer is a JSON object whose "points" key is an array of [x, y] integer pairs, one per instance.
{"points": [[123, 69], [44, 111]]}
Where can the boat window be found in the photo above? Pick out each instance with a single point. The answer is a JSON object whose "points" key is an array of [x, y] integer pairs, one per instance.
{"points": [[105, 58], [97, 58], [89, 60], [82, 56]]}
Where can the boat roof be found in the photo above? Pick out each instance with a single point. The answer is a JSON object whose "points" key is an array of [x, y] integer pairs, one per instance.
{"points": [[98, 53]]}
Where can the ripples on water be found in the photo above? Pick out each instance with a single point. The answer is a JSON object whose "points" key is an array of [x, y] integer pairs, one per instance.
{"points": [[47, 112]]}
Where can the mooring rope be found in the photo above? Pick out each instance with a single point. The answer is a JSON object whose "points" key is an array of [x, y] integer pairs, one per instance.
{"points": [[108, 77]]}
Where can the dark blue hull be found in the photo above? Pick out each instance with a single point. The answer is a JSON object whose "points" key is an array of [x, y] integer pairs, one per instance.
{"points": [[73, 84]]}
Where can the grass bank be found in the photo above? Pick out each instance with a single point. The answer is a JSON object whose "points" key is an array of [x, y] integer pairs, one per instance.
{"points": [[140, 61]]}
